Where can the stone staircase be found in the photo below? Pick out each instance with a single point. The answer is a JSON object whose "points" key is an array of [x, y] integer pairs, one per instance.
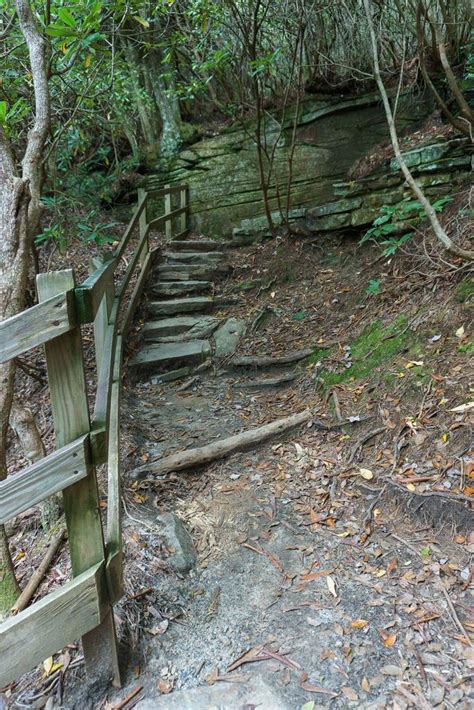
{"points": [[181, 333]]}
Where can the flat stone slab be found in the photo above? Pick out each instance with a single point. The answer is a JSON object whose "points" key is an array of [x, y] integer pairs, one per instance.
{"points": [[174, 326], [195, 245], [193, 351], [181, 305], [256, 693], [178, 288], [186, 272], [227, 336], [193, 257]]}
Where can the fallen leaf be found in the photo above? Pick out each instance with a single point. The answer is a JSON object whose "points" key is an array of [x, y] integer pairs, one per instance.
{"points": [[310, 705], [315, 575], [365, 685], [331, 585], [366, 473], [350, 693], [389, 640], [359, 624], [463, 407], [391, 669], [460, 332], [414, 363], [310, 688]]}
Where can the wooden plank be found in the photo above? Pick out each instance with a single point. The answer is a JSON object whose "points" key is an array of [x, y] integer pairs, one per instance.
{"points": [[135, 297], [143, 224], [98, 444], [114, 507], [101, 320], [129, 230], [48, 625], [163, 191], [183, 203], [43, 478], [168, 213], [142, 244], [37, 325], [166, 218], [90, 293], [104, 380], [81, 501]]}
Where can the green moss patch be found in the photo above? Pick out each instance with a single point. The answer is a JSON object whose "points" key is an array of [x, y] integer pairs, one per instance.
{"points": [[465, 290], [375, 346]]}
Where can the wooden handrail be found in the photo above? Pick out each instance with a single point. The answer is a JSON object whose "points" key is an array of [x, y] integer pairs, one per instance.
{"points": [[83, 606]]}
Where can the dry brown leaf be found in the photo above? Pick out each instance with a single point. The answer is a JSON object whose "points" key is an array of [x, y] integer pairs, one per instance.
{"points": [[315, 575], [310, 688], [350, 693], [359, 624], [365, 685], [389, 640]]}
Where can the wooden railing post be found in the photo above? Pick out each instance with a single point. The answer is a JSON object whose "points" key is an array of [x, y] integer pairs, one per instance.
{"points": [[169, 222], [183, 203], [81, 501], [101, 320], [143, 222]]}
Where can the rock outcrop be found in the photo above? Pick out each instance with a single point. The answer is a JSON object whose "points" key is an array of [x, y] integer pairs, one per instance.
{"points": [[332, 133]]}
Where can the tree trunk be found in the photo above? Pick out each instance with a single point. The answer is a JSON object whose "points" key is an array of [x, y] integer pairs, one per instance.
{"points": [[143, 114], [20, 212], [170, 139], [416, 189]]}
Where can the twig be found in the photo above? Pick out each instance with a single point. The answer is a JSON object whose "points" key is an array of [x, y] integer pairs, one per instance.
{"points": [[127, 698], [359, 444], [36, 579], [454, 613], [337, 407]]}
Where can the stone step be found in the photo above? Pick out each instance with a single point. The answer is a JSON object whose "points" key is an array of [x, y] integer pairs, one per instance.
{"points": [[173, 326], [181, 305], [191, 352], [193, 257], [195, 245], [186, 272], [179, 288]]}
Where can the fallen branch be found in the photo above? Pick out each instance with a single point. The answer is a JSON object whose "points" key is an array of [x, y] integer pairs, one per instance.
{"points": [[34, 582], [359, 444], [223, 447], [268, 361]]}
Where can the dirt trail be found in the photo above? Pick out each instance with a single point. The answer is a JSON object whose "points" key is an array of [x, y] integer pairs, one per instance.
{"points": [[316, 582]]}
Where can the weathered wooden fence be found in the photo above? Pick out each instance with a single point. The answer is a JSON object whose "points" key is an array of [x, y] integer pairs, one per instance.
{"points": [[108, 298]]}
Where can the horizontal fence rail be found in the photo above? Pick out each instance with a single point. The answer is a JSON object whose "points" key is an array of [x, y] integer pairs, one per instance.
{"points": [[84, 606]]}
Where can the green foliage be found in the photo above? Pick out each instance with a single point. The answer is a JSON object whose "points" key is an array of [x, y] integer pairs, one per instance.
{"points": [[91, 231], [373, 288], [393, 219], [54, 233]]}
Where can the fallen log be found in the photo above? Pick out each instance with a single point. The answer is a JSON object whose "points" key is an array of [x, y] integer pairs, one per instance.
{"points": [[218, 449], [268, 360]]}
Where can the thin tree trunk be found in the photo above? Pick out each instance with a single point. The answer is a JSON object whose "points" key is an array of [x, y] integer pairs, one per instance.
{"points": [[145, 120], [20, 212], [416, 189], [170, 139]]}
